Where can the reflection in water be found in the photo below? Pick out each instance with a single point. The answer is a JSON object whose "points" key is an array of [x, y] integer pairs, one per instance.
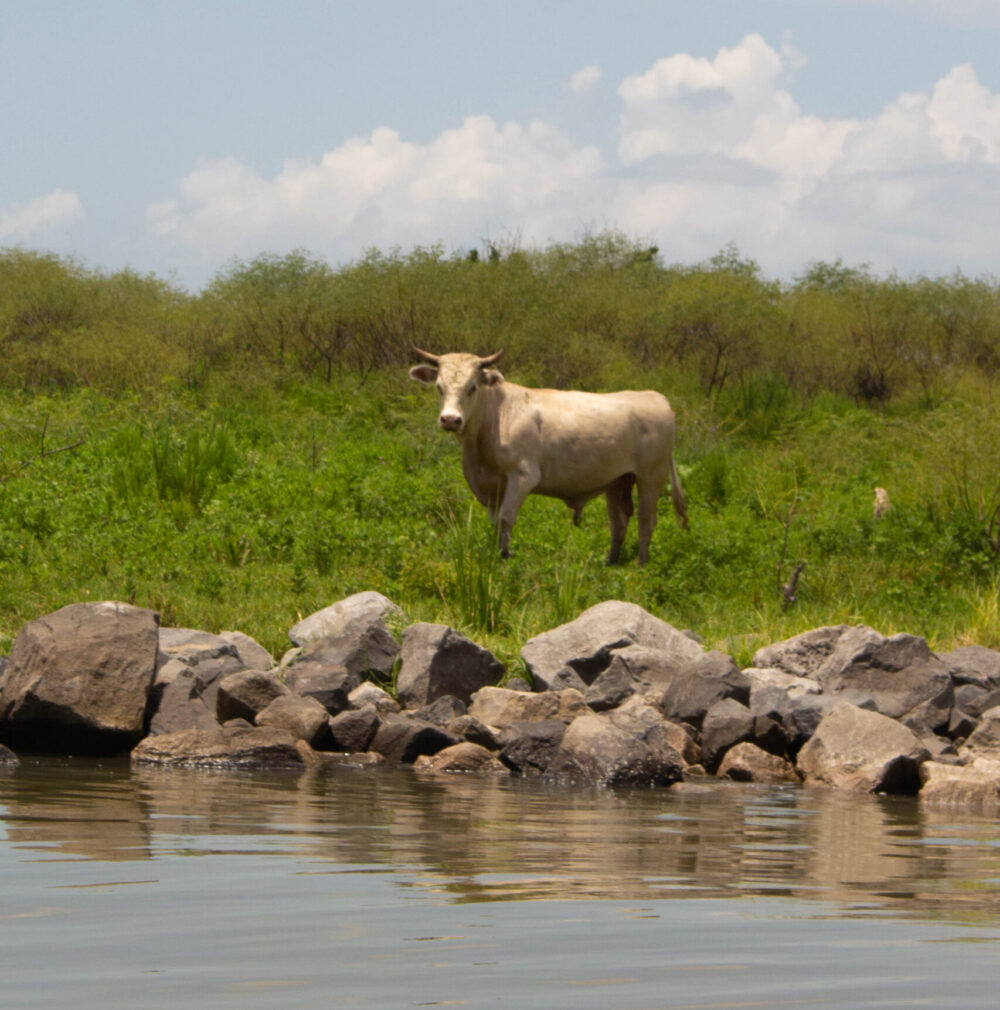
{"points": [[468, 839]]}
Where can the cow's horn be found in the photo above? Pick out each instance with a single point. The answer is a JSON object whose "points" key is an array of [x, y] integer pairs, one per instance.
{"points": [[434, 359], [492, 359]]}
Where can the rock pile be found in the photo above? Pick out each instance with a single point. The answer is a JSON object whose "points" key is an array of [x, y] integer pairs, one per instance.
{"points": [[617, 697]]}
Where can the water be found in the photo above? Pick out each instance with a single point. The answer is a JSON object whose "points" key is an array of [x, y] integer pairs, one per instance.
{"points": [[375, 887]]}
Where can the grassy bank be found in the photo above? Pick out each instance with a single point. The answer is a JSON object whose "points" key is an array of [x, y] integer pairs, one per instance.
{"points": [[244, 456]]}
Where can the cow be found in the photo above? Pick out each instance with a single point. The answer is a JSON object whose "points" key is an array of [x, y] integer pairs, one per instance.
{"points": [[565, 444]]}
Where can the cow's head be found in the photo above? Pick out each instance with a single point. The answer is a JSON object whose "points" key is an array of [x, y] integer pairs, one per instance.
{"points": [[459, 378]]}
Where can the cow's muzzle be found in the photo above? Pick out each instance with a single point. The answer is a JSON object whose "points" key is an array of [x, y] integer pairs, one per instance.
{"points": [[450, 422]]}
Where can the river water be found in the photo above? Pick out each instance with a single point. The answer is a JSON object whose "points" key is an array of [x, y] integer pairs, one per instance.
{"points": [[376, 887]]}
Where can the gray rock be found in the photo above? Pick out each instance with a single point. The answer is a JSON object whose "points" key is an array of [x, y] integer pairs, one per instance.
{"points": [[437, 660], [403, 739], [726, 723], [179, 705], [371, 694], [470, 728], [575, 654], [442, 710], [973, 786], [973, 664], [364, 650], [611, 687], [462, 757], [595, 751], [899, 677], [79, 680], [359, 612], [984, 741], [802, 655], [711, 678], [528, 747], [242, 695], [330, 684], [746, 762], [305, 718], [767, 679], [222, 747], [858, 749], [191, 647], [354, 729], [250, 652]]}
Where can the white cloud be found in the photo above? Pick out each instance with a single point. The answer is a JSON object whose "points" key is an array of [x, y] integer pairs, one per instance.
{"points": [[35, 218], [585, 79], [710, 150]]}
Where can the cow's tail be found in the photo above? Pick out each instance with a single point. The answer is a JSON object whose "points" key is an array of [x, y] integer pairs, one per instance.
{"points": [[677, 494]]}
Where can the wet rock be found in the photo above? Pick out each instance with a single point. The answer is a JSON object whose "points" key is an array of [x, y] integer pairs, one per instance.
{"points": [[500, 707], [354, 729], [79, 680], [858, 749], [975, 786], [528, 747], [899, 677], [242, 695], [595, 751], [402, 739], [463, 757], [305, 718], [575, 654], [437, 660], [746, 762], [8, 759], [222, 747], [699, 685], [357, 613], [802, 655]]}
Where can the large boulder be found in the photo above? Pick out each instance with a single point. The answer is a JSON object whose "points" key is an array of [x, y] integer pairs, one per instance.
{"points": [[438, 661], [403, 739], [575, 654], [330, 684], [354, 729], [802, 655], [462, 757], [973, 664], [855, 748], [221, 747], [249, 651], [898, 676], [177, 701], [528, 747], [501, 707], [726, 723], [304, 718], [78, 680], [974, 785], [358, 614], [242, 695], [595, 751], [746, 762], [984, 741]]}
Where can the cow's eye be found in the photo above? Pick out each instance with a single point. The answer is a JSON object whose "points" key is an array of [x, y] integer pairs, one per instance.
{"points": [[472, 389]]}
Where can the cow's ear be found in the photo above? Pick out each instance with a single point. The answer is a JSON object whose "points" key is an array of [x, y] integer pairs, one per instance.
{"points": [[424, 373], [491, 377]]}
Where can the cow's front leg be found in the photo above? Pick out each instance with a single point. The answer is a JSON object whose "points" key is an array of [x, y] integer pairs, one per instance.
{"points": [[519, 486]]}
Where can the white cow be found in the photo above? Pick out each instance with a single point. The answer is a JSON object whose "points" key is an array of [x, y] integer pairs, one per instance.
{"points": [[569, 445]]}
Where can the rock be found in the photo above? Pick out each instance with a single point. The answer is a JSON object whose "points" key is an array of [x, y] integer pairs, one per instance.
{"points": [[222, 747], [463, 757], [330, 684], [528, 747], [363, 650], [8, 759], [984, 741], [79, 680], [710, 678], [242, 695], [359, 612], [191, 647], [179, 705], [975, 700], [858, 749], [500, 707], [802, 655], [250, 652], [305, 718], [746, 762], [976, 785], [595, 751], [973, 664], [575, 654], [469, 728], [371, 694], [899, 677], [726, 723], [764, 679], [611, 687], [354, 729], [404, 739], [437, 660], [441, 711]]}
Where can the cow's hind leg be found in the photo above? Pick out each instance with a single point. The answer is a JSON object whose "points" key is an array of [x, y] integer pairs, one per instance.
{"points": [[619, 501], [649, 493]]}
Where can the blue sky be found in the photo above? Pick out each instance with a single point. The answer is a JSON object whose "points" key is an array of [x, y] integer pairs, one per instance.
{"points": [[172, 136]]}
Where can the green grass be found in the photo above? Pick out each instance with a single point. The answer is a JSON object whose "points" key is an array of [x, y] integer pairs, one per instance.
{"points": [[248, 507]]}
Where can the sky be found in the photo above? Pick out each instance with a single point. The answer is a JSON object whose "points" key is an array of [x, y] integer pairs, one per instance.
{"points": [[177, 138]]}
